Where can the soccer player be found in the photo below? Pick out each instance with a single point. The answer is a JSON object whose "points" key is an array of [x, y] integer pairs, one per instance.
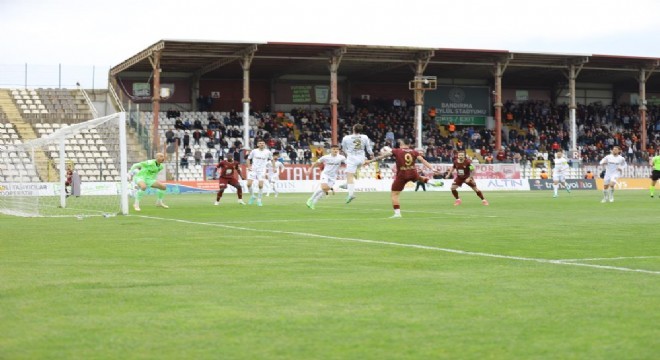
{"points": [[256, 167], [274, 173], [146, 177], [655, 173], [614, 164], [227, 170], [354, 146], [406, 171], [68, 183], [331, 164], [559, 173], [463, 168]]}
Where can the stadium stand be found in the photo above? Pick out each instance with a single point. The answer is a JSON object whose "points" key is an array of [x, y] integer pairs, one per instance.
{"points": [[29, 114]]}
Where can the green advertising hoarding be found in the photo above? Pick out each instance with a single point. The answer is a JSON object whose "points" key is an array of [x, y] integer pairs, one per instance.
{"points": [[462, 105], [461, 120]]}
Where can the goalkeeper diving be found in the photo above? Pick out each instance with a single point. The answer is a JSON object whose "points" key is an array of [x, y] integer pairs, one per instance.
{"points": [[143, 175]]}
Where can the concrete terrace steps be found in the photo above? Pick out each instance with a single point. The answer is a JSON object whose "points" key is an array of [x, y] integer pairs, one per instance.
{"points": [[26, 132]]}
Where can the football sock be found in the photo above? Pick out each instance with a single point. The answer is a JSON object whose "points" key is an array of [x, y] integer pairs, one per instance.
{"points": [[161, 194], [351, 189], [317, 195]]}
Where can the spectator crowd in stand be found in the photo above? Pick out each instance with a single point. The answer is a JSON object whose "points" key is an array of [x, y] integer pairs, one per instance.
{"points": [[531, 130]]}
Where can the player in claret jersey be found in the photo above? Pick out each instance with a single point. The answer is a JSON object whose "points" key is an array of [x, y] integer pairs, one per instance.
{"points": [[463, 168], [227, 171], [406, 171]]}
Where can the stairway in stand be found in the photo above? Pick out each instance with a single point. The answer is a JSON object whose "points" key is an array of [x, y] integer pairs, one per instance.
{"points": [[45, 168], [135, 152]]}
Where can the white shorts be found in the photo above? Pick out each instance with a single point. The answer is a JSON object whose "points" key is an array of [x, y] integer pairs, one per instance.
{"points": [[274, 177], [558, 177], [328, 180], [610, 179], [354, 162], [257, 175]]}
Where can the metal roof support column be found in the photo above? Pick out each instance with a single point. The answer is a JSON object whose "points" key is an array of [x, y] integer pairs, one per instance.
{"points": [[194, 93], [155, 101], [335, 60], [572, 106], [642, 105], [572, 75], [499, 71], [245, 64], [643, 77]]}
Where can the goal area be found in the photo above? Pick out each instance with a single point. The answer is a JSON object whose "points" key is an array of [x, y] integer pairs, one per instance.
{"points": [[71, 170]]}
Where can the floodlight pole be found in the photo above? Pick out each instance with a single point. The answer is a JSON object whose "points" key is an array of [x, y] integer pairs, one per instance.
{"points": [[420, 84], [499, 71]]}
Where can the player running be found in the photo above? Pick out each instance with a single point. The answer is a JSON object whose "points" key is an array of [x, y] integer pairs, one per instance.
{"points": [[273, 170], [331, 164], [614, 164], [560, 172]]}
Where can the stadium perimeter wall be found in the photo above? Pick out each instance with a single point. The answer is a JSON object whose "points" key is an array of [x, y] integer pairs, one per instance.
{"points": [[384, 185]]}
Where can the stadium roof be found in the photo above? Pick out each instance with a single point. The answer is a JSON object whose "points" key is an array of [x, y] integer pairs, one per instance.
{"points": [[367, 63]]}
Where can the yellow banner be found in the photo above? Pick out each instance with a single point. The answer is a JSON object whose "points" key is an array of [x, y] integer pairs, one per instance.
{"points": [[628, 184]]}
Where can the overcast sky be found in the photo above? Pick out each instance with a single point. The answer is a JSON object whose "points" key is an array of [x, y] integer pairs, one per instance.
{"points": [[105, 33]]}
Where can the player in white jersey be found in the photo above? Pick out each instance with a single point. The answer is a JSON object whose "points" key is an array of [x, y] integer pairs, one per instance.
{"points": [[614, 163], [273, 171], [560, 172], [331, 164], [256, 167], [354, 146]]}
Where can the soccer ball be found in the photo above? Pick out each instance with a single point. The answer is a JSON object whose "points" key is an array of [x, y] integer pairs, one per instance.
{"points": [[385, 149]]}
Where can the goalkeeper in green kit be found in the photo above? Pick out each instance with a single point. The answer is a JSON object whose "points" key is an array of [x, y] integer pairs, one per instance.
{"points": [[144, 175]]}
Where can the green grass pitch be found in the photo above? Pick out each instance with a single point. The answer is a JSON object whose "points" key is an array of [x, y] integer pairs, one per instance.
{"points": [[527, 277]]}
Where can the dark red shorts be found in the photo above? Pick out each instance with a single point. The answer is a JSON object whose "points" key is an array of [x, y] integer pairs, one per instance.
{"points": [[223, 182]]}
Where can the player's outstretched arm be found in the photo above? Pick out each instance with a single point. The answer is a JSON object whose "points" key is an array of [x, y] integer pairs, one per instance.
{"points": [[378, 158]]}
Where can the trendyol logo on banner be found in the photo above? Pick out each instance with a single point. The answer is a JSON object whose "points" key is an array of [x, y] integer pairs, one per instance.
{"points": [[573, 184]]}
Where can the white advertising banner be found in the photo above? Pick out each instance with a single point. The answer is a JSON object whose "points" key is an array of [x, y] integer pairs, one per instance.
{"points": [[53, 189]]}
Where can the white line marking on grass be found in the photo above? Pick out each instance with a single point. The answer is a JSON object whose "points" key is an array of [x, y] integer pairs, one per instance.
{"points": [[612, 258], [413, 246]]}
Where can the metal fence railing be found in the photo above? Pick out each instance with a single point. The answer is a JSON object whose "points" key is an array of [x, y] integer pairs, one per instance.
{"points": [[53, 76]]}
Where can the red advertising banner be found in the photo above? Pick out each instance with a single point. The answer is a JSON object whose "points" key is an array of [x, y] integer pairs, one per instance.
{"points": [[481, 171], [486, 171]]}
